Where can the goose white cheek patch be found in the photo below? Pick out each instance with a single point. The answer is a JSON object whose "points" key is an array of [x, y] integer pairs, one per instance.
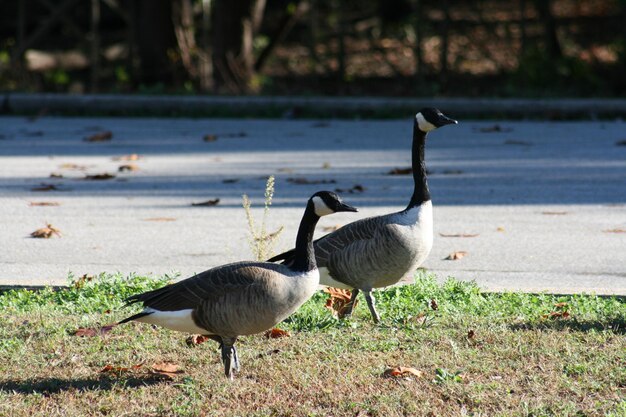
{"points": [[321, 209], [423, 124]]}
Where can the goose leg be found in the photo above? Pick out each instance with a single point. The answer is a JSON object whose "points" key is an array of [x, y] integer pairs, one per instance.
{"points": [[370, 303], [235, 359], [229, 357], [350, 306]]}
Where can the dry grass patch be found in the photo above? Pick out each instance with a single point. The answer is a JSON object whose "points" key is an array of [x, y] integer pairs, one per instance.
{"points": [[479, 354]]}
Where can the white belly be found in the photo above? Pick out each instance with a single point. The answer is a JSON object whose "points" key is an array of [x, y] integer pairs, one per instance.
{"points": [[180, 321]]}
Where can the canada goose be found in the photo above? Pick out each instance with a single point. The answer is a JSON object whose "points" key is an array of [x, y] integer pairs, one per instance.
{"points": [[379, 251], [241, 298]]}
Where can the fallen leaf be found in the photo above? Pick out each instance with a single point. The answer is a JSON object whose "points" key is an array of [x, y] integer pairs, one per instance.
{"points": [[420, 319], [494, 128], [230, 180], [131, 157], [73, 166], [233, 135], [402, 371], [196, 339], [46, 232], [43, 204], [326, 165], [357, 188], [433, 304], [455, 256], [331, 228], [307, 181], [276, 333], [268, 353], [400, 171], [166, 369], [103, 136], [517, 142], [614, 231], [120, 369], [471, 334], [338, 301], [160, 219], [554, 213], [55, 175], [128, 167], [91, 332], [213, 137], [557, 315], [207, 203], [80, 282], [32, 132], [46, 187], [106, 329], [287, 170], [560, 313], [458, 235], [82, 332], [99, 177], [500, 229]]}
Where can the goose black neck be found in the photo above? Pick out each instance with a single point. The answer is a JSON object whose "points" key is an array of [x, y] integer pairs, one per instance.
{"points": [[421, 193], [304, 257]]}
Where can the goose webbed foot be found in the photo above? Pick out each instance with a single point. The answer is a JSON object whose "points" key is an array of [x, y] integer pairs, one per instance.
{"points": [[350, 306], [370, 303], [229, 357]]}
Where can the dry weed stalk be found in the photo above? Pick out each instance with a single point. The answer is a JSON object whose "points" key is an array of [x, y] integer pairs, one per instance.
{"points": [[261, 241]]}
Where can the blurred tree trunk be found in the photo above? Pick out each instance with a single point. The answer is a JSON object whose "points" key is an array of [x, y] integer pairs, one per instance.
{"points": [[553, 46], [286, 24], [522, 27], [419, 33], [443, 58], [155, 40], [233, 23], [195, 60]]}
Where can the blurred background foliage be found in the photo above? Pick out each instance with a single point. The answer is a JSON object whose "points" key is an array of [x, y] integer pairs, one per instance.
{"points": [[522, 48]]}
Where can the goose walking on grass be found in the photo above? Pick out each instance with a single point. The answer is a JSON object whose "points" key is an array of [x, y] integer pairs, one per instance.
{"points": [[379, 251], [241, 298]]}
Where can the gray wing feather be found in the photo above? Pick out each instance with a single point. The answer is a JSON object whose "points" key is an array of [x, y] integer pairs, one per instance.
{"points": [[205, 287], [345, 238]]}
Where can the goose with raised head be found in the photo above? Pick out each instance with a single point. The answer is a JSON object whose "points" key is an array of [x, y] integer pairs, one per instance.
{"points": [[241, 298], [379, 251]]}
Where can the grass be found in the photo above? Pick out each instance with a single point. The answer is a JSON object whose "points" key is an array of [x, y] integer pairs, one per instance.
{"points": [[479, 354]]}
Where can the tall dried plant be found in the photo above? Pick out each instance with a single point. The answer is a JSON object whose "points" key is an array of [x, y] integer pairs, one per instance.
{"points": [[261, 241]]}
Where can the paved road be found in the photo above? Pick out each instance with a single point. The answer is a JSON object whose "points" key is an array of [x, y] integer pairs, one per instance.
{"points": [[540, 197]]}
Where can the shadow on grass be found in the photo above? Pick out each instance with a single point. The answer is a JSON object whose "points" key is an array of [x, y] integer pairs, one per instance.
{"points": [[49, 386], [616, 325]]}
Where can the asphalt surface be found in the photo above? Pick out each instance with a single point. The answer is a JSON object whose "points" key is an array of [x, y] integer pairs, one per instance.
{"points": [[544, 203]]}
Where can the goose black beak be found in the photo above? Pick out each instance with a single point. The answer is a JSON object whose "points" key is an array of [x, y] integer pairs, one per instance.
{"points": [[445, 120], [346, 207]]}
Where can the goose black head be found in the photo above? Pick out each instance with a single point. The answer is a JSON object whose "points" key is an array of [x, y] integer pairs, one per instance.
{"points": [[327, 202], [430, 118]]}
